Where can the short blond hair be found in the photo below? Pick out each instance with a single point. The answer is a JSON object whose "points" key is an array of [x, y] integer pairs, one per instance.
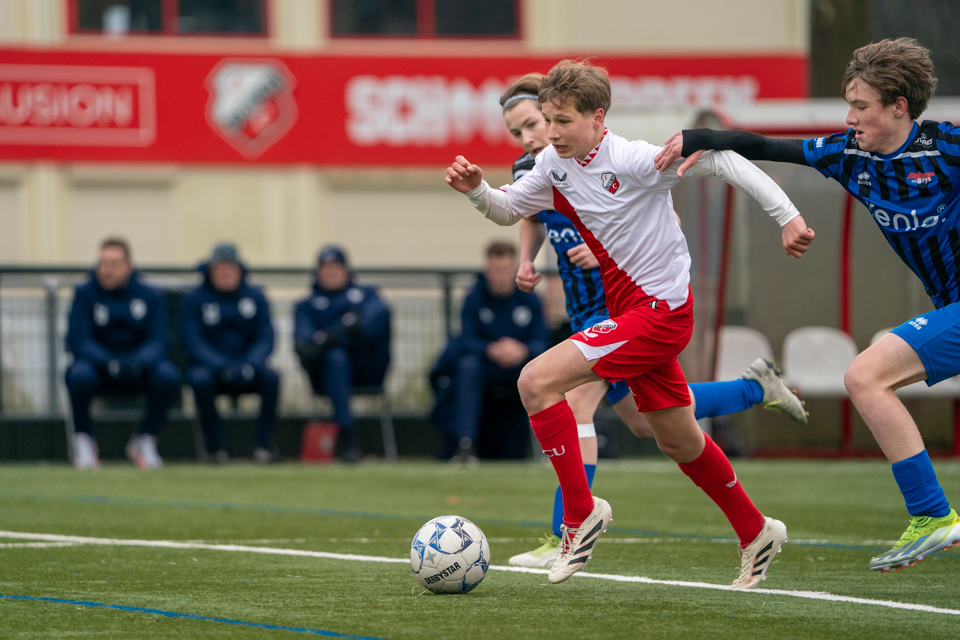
{"points": [[525, 85], [577, 81], [894, 68]]}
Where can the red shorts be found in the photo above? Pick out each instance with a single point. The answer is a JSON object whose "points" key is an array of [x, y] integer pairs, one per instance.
{"points": [[641, 347]]}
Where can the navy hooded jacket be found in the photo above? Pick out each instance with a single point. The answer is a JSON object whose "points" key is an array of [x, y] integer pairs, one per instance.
{"points": [[127, 323], [220, 330], [486, 318]]}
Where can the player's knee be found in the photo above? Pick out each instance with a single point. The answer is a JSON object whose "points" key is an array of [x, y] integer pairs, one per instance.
{"points": [[857, 379], [529, 383]]}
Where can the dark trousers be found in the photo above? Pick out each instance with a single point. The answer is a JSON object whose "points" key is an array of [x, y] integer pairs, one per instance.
{"points": [[207, 385], [335, 371], [481, 382], [160, 383]]}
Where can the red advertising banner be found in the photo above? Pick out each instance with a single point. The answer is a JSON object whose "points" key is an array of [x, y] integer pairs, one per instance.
{"points": [[319, 109]]}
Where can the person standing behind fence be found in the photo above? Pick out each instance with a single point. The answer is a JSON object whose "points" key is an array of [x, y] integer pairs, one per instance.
{"points": [[342, 336], [226, 330], [118, 333]]}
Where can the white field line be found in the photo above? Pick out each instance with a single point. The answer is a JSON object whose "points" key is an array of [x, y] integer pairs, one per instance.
{"points": [[170, 544]]}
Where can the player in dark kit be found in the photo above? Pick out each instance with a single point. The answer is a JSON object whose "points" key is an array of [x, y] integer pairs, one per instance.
{"points": [[908, 176]]}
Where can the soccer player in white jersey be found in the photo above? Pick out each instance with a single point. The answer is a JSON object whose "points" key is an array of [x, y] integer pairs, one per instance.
{"points": [[623, 210], [586, 306]]}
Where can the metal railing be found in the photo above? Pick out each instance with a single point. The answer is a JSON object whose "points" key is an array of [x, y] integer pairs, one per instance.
{"points": [[35, 302]]}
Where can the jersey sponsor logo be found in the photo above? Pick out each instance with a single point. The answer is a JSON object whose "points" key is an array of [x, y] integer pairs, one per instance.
{"points": [[610, 182], [522, 316], [567, 235], [247, 307], [921, 178], [559, 177], [923, 140], [553, 453], [251, 104], [918, 323], [864, 179], [101, 314], [902, 221], [211, 313]]}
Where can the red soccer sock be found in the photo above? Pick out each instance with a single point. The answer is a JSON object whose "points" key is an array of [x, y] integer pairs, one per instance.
{"points": [[556, 429], [712, 473]]}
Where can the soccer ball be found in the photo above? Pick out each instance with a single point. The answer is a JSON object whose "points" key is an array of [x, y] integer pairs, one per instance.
{"points": [[449, 555]]}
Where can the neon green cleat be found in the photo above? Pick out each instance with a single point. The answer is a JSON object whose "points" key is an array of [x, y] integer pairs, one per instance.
{"points": [[542, 556], [924, 536]]}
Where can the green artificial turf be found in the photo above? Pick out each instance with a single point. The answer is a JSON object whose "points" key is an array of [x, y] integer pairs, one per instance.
{"points": [[838, 514]]}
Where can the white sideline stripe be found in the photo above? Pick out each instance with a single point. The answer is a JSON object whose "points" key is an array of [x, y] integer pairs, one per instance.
{"points": [[170, 544]]}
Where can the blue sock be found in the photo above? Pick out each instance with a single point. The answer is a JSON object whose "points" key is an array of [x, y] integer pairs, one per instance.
{"points": [[720, 398], [918, 484], [591, 469]]}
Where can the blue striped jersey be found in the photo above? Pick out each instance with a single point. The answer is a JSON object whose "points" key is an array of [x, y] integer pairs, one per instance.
{"points": [[583, 288], [912, 195]]}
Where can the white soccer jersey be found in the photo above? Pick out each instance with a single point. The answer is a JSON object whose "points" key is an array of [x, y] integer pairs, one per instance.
{"points": [[622, 207]]}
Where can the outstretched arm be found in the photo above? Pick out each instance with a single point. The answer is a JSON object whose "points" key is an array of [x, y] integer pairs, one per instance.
{"points": [[752, 146], [745, 176]]}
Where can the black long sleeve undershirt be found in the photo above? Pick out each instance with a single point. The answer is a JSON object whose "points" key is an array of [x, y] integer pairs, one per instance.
{"points": [[751, 146]]}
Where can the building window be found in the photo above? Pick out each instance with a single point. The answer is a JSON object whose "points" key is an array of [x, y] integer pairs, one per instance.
{"points": [[426, 18], [169, 17]]}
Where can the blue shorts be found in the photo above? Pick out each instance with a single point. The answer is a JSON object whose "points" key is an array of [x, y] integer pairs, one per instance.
{"points": [[935, 336], [619, 389]]}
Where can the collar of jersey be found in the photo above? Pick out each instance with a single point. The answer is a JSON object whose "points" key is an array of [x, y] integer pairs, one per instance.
{"points": [[592, 154], [903, 147]]}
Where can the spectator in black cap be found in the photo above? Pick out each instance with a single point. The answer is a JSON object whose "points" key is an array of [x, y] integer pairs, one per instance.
{"points": [[342, 336], [225, 324]]}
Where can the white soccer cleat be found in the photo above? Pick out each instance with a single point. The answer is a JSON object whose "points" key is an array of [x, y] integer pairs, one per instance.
{"points": [[757, 556], [576, 545], [85, 452], [777, 396], [142, 451], [542, 556]]}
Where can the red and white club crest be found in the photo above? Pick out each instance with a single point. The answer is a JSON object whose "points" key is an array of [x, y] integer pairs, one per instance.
{"points": [[610, 182], [251, 103], [605, 326]]}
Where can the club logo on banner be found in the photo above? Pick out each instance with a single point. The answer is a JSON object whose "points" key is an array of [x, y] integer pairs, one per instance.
{"points": [[251, 103]]}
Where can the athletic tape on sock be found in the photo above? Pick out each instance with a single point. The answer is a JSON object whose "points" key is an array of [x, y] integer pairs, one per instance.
{"points": [[586, 430]]}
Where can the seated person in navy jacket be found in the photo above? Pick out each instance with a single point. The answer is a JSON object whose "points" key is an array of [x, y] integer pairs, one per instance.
{"points": [[342, 336], [226, 331], [503, 328], [118, 333]]}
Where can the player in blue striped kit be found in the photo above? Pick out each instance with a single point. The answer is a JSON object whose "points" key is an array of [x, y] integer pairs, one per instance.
{"points": [[908, 176], [586, 306]]}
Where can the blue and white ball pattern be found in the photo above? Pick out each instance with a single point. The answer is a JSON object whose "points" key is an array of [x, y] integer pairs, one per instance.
{"points": [[449, 555]]}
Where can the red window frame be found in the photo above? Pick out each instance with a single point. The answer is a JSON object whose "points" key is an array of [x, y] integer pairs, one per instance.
{"points": [[426, 26], [169, 12]]}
